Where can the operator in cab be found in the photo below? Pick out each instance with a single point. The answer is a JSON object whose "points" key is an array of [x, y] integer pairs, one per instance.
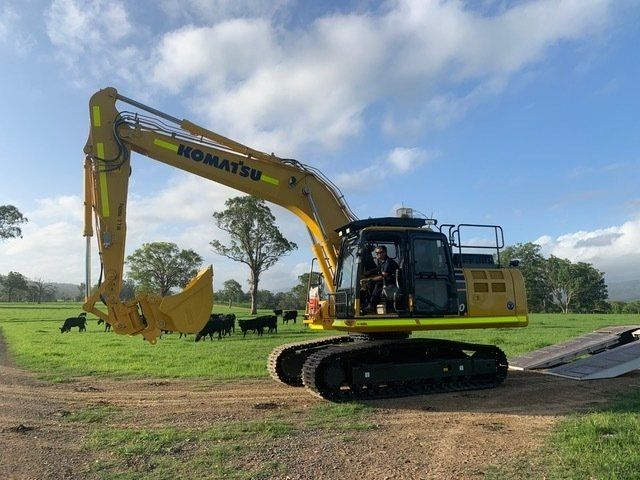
{"points": [[385, 276]]}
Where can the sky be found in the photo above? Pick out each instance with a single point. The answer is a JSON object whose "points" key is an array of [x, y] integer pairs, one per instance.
{"points": [[517, 113]]}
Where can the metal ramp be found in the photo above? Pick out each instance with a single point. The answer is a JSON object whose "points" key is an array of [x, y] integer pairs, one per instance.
{"points": [[608, 364], [606, 353]]}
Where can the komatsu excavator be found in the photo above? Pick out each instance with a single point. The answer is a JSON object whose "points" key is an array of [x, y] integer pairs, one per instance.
{"points": [[440, 283]]}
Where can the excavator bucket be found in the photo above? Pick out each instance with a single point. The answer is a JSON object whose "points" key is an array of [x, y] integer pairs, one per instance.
{"points": [[186, 312], [189, 310]]}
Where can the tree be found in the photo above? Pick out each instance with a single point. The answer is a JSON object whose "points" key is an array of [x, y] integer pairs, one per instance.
{"points": [[632, 307], [266, 299], [255, 238], [591, 289], [286, 300], [42, 290], [160, 266], [617, 306], [14, 282], [10, 219], [562, 282], [128, 290], [81, 292], [232, 291]]}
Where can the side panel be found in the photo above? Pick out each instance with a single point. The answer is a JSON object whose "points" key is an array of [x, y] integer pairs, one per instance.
{"points": [[490, 292]]}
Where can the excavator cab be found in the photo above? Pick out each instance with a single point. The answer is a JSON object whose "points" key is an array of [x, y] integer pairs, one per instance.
{"points": [[424, 284]]}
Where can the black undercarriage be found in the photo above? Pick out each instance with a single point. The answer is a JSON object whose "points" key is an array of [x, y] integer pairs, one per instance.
{"points": [[362, 367]]}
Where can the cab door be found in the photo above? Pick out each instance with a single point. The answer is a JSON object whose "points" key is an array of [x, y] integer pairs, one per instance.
{"points": [[433, 281]]}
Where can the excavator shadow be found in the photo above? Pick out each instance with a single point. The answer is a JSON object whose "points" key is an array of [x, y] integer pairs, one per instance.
{"points": [[524, 393]]}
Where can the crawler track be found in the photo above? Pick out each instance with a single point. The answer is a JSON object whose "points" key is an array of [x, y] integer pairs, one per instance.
{"points": [[286, 361], [392, 368]]}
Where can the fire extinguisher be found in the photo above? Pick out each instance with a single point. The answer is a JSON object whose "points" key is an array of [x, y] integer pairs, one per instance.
{"points": [[314, 301]]}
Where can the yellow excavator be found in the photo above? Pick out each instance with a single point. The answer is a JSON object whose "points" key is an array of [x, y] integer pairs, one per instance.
{"points": [[439, 282]]}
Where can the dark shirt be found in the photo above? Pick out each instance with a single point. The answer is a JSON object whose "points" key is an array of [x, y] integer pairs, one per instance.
{"points": [[388, 270], [370, 267]]}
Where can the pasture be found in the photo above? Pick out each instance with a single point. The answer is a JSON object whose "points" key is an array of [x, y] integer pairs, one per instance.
{"points": [[208, 409], [35, 342]]}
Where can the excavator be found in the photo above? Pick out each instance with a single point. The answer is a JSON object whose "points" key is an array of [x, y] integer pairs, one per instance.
{"points": [[441, 282]]}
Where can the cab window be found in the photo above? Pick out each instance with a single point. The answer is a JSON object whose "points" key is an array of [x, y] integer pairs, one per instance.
{"points": [[348, 266], [430, 256]]}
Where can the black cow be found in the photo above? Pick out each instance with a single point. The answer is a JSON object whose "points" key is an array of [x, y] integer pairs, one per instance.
{"points": [[80, 321], [252, 324], [229, 323], [270, 322], [258, 325], [289, 315], [107, 325], [277, 312], [215, 324]]}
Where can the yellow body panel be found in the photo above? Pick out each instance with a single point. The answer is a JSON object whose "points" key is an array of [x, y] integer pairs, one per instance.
{"points": [[419, 324], [495, 299]]}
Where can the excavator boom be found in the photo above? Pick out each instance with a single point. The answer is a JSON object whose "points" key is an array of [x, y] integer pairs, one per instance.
{"points": [[187, 146]]}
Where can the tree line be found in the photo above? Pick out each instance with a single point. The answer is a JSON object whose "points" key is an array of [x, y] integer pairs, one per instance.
{"points": [[558, 285], [15, 287], [159, 267], [553, 284]]}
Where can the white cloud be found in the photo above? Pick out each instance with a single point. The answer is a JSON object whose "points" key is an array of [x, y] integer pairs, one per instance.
{"points": [[67, 208], [93, 38], [313, 86], [404, 160], [51, 251], [214, 56], [360, 180], [282, 89], [7, 17], [214, 10], [53, 248], [78, 25], [13, 32], [398, 161], [613, 250]]}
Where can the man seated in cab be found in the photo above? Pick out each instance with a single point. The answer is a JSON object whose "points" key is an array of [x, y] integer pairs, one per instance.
{"points": [[385, 275]]}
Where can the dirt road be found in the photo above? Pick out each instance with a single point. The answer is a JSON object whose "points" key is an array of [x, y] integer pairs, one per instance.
{"points": [[445, 436]]}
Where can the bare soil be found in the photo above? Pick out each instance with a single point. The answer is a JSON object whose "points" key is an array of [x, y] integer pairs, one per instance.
{"points": [[443, 436]]}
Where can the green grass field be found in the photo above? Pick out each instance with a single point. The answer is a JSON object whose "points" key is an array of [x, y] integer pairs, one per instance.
{"points": [[35, 342], [600, 444]]}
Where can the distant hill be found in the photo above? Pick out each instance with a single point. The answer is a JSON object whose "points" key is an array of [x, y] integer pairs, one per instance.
{"points": [[66, 290], [624, 291]]}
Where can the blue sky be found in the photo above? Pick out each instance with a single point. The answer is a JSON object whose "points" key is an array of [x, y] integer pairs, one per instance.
{"points": [[522, 113]]}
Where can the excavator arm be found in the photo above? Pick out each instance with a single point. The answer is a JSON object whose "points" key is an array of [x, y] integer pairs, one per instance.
{"points": [[182, 144]]}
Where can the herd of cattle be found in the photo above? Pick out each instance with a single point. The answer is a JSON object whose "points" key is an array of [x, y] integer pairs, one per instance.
{"points": [[218, 324]]}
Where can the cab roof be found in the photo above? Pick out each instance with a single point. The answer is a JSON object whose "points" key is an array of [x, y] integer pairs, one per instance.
{"points": [[383, 222]]}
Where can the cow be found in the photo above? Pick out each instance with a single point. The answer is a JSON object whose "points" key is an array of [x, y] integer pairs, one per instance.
{"points": [[229, 323], [80, 321], [289, 315], [107, 325], [258, 325], [215, 324], [252, 324], [277, 312], [270, 322]]}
